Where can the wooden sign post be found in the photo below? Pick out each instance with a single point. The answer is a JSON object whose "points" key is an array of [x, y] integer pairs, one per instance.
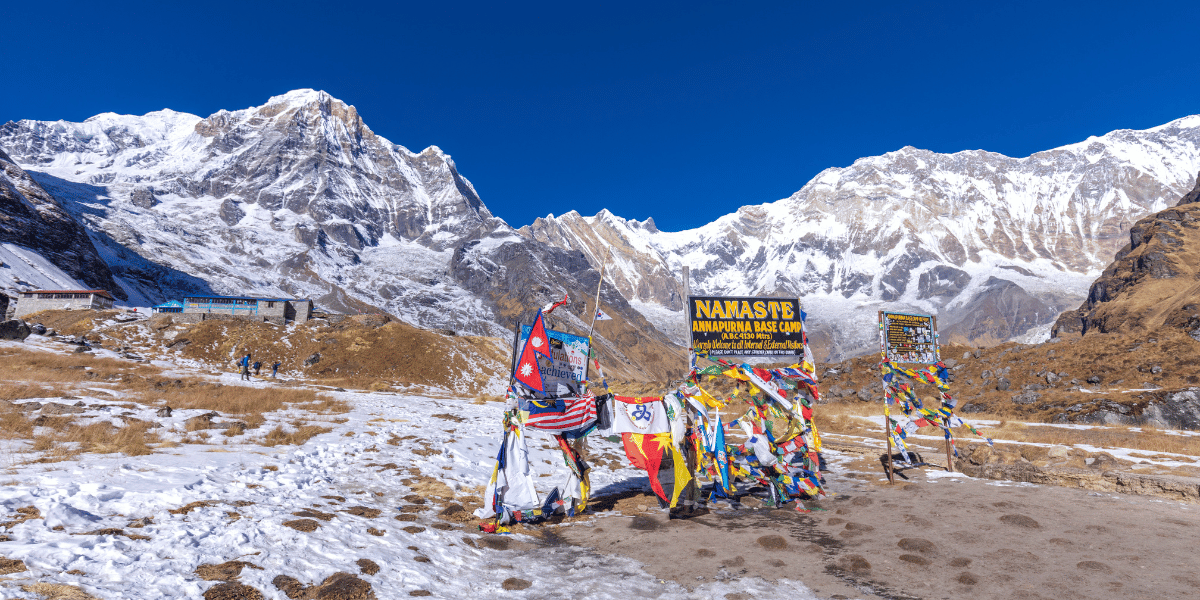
{"points": [[913, 339], [887, 419]]}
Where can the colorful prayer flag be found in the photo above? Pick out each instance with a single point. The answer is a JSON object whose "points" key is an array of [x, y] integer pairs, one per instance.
{"points": [[529, 372]]}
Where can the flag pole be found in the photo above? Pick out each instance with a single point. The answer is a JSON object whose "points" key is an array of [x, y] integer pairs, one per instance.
{"points": [[512, 367], [596, 312]]}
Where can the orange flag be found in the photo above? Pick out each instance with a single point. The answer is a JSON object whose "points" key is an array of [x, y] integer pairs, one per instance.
{"points": [[646, 452]]}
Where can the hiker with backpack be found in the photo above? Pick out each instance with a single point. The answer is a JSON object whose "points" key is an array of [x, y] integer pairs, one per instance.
{"points": [[245, 364]]}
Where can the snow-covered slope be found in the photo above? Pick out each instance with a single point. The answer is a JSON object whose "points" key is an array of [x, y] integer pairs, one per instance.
{"points": [[995, 245], [41, 244]]}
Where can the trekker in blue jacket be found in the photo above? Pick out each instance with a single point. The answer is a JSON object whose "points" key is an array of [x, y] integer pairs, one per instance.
{"points": [[245, 363]]}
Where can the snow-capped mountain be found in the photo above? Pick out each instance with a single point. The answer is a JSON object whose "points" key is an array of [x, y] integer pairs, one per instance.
{"points": [[994, 245], [296, 196], [299, 197]]}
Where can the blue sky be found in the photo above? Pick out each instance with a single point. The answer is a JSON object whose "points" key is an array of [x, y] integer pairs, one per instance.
{"points": [[679, 111]]}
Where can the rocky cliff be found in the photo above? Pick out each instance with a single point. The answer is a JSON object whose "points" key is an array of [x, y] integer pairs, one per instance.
{"points": [[35, 221], [1152, 281]]}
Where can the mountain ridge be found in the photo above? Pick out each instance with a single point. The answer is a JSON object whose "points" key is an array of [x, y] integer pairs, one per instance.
{"points": [[914, 230], [299, 196]]}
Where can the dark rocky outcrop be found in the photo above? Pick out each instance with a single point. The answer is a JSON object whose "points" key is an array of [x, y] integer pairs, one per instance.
{"points": [[1000, 310], [31, 217], [230, 212], [143, 197], [1151, 281], [520, 276], [15, 329], [1072, 468]]}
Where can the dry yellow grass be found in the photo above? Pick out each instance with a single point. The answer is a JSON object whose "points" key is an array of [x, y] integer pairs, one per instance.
{"points": [[237, 400], [57, 591], [299, 435], [70, 440], [21, 391], [26, 371], [60, 438], [14, 424], [845, 419]]}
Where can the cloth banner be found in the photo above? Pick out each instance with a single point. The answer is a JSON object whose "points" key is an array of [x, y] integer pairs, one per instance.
{"points": [[511, 488], [639, 415]]}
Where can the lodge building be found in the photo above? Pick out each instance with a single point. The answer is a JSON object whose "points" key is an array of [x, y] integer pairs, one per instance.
{"points": [[39, 300], [274, 310]]}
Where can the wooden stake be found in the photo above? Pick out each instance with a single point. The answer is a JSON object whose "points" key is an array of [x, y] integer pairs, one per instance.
{"points": [[887, 421], [949, 457], [512, 367], [887, 434], [595, 314]]}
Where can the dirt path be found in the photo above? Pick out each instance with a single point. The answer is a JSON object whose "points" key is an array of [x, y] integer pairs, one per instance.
{"points": [[933, 536]]}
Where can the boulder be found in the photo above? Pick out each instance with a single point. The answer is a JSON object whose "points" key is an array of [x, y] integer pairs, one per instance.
{"points": [[56, 408], [161, 321], [1026, 398], [1179, 409], [1002, 384], [143, 197], [1094, 379], [15, 329], [312, 360], [198, 422]]}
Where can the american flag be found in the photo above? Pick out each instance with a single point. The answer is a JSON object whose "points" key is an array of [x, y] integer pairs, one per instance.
{"points": [[561, 414]]}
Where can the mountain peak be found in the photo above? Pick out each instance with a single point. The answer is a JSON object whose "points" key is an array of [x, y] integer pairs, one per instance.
{"points": [[302, 97]]}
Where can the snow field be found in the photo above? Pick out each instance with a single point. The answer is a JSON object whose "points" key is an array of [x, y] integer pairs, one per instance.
{"points": [[252, 490]]}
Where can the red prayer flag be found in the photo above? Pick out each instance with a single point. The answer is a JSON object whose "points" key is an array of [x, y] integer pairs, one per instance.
{"points": [[528, 372], [646, 452]]}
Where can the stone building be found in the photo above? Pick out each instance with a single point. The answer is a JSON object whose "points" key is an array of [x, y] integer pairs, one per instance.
{"points": [[39, 300], [275, 310], [170, 306]]}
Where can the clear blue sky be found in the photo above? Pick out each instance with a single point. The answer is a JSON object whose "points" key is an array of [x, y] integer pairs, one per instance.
{"points": [[679, 111]]}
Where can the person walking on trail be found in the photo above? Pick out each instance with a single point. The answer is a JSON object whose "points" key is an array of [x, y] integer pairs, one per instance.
{"points": [[245, 364], [275, 370], [257, 368]]}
